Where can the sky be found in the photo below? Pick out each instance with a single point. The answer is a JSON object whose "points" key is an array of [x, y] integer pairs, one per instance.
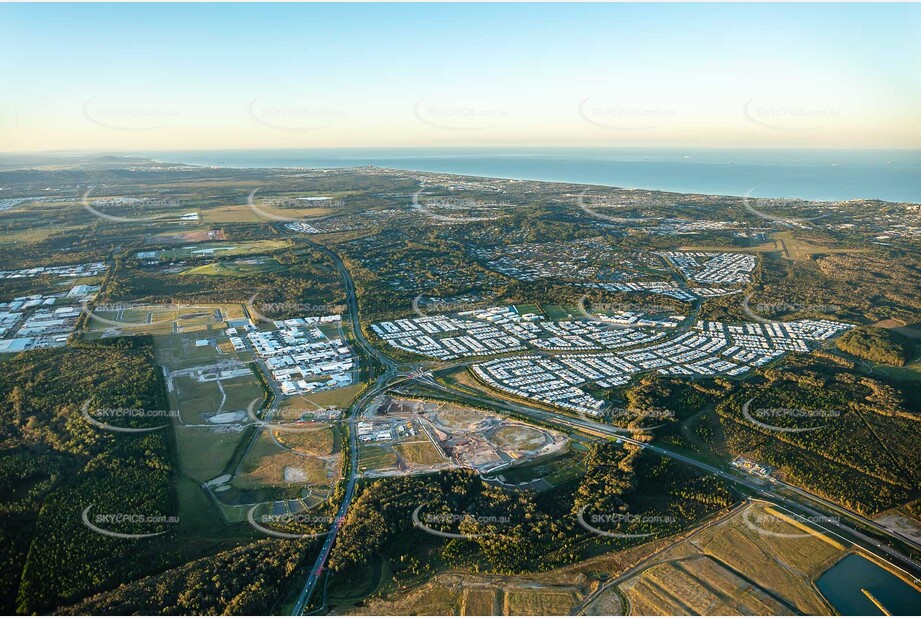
{"points": [[212, 76]]}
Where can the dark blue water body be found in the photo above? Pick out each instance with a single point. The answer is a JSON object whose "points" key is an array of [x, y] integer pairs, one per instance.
{"points": [[893, 175], [842, 583]]}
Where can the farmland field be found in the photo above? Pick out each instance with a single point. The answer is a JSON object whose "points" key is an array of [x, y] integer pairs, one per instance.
{"points": [[375, 457], [420, 452], [714, 571], [455, 594], [221, 249], [270, 465], [337, 397], [319, 441], [204, 452]]}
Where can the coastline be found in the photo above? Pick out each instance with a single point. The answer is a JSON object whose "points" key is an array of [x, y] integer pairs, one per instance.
{"points": [[812, 175]]}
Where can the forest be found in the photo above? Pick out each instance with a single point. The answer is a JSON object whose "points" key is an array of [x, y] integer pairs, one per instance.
{"points": [[54, 465], [521, 531], [878, 345]]}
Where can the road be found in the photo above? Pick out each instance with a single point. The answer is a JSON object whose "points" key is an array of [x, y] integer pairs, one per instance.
{"points": [[869, 523], [382, 383], [352, 302], [833, 525], [646, 564]]}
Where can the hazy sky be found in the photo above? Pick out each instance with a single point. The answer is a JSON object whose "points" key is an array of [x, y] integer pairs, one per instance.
{"points": [[146, 77]]}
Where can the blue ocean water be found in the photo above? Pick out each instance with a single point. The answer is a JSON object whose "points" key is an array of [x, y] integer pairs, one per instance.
{"points": [[893, 175]]}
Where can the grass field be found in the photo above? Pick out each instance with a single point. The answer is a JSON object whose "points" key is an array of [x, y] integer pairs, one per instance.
{"points": [[375, 457], [319, 442], [195, 399], [420, 452], [910, 372], [337, 397], [222, 249], [756, 562], [291, 408], [236, 213], [797, 249], [198, 401], [555, 471], [240, 393], [242, 213], [765, 247], [528, 308], [180, 352], [561, 312], [270, 465], [247, 267], [182, 235], [205, 452], [165, 320]]}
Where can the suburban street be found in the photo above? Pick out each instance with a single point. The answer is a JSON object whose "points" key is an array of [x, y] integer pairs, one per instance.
{"points": [[851, 535], [808, 506]]}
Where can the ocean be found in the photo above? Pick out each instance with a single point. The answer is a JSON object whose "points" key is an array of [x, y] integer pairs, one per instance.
{"points": [[893, 175]]}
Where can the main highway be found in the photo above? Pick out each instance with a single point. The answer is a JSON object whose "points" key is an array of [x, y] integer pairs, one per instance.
{"points": [[806, 508], [380, 385], [809, 507]]}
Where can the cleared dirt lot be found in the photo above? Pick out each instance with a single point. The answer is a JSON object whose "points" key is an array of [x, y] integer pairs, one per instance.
{"points": [[756, 562], [514, 437]]}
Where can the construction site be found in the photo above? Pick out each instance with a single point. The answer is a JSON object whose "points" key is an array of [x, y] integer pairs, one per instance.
{"points": [[405, 436]]}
